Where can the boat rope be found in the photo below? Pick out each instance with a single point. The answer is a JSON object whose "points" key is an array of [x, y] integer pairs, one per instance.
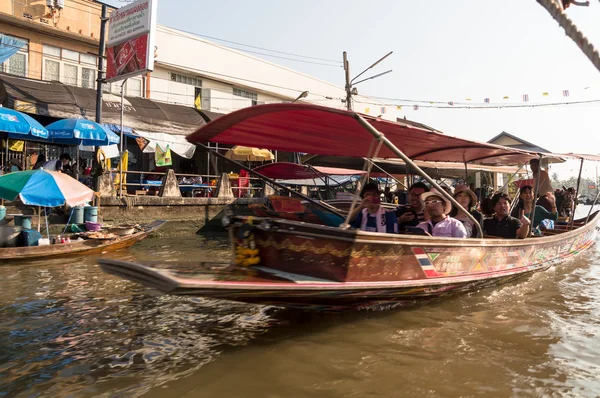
{"points": [[572, 31]]}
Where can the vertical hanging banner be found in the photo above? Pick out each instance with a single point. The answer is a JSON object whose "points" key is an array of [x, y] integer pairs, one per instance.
{"points": [[131, 37]]}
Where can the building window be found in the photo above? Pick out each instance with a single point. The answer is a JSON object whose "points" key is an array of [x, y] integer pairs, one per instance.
{"points": [[51, 70], [69, 67], [238, 92], [192, 81], [132, 88], [17, 63]]}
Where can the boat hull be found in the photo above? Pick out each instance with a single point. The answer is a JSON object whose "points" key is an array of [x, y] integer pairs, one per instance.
{"points": [[380, 275], [89, 246]]}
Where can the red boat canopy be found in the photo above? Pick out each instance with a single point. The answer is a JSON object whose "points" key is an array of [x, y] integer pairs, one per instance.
{"points": [[293, 171], [327, 131]]}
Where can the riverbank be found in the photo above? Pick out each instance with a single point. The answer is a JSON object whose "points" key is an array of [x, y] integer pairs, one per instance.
{"points": [[185, 216]]}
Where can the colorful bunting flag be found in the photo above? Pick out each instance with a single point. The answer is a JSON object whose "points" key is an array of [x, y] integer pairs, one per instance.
{"points": [[399, 107], [486, 100], [468, 99], [565, 93], [505, 97], [525, 97], [451, 103], [163, 157], [545, 94], [416, 107], [367, 110], [383, 110]]}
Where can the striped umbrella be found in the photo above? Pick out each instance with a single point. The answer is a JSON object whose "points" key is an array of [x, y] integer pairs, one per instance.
{"points": [[44, 188]]}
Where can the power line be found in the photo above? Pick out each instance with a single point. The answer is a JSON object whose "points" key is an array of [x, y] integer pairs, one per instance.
{"points": [[261, 48]]}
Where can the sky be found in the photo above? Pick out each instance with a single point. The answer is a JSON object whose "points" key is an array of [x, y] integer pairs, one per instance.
{"points": [[443, 51]]}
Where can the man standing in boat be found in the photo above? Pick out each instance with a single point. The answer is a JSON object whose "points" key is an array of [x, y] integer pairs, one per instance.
{"points": [[545, 185], [502, 225], [414, 213], [370, 216], [440, 223]]}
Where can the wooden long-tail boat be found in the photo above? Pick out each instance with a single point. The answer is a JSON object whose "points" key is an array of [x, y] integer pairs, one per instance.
{"points": [[296, 264], [87, 246]]}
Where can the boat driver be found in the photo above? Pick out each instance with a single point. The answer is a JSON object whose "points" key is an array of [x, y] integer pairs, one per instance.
{"points": [[370, 216], [502, 225], [440, 223]]}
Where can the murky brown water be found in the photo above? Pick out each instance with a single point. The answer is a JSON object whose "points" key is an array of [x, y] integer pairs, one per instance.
{"points": [[68, 329]]}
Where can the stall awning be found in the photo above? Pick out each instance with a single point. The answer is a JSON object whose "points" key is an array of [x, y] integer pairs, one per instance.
{"points": [[58, 100], [176, 143]]}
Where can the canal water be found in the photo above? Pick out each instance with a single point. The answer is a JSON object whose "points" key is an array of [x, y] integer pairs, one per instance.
{"points": [[69, 330]]}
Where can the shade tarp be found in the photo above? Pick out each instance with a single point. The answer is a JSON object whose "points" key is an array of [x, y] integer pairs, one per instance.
{"points": [[249, 154], [327, 131], [331, 181], [176, 143], [294, 171], [61, 101], [111, 151], [9, 46]]}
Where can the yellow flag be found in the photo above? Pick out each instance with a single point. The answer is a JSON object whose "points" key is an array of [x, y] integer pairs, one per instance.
{"points": [[399, 107], [14, 145], [367, 110], [545, 94], [505, 97], [468, 99]]}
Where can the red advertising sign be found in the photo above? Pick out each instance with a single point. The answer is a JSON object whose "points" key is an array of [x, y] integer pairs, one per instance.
{"points": [[127, 59], [130, 49]]}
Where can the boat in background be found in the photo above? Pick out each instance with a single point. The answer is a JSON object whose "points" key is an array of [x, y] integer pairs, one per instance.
{"points": [[100, 244], [302, 265]]}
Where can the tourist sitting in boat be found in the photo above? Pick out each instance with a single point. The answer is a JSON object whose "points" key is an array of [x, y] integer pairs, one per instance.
{"points": [[412, 214], [440, 223], [525, 204], [468, 200], [370, 216], [502, 225]]}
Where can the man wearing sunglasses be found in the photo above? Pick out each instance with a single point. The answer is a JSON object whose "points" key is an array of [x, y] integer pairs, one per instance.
{"points": [[439, 223]]}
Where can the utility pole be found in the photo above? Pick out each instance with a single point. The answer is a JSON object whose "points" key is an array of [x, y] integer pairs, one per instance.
{"points": [[100, 82], [348, 85], [350, 90]]}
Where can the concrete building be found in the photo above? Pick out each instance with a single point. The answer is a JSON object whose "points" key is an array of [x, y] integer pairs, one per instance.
{"points": [[190, 70]]}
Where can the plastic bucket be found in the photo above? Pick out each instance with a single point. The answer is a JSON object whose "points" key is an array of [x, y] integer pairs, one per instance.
{"points": [[90, 214], [77, 215], [2, 212], [23, 221]]}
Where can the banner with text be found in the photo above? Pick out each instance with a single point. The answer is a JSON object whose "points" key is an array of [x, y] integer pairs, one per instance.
{"points": [[130, 50]]}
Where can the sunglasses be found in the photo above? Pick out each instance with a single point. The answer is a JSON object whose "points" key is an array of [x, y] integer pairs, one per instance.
{"points": [[432, 202]]}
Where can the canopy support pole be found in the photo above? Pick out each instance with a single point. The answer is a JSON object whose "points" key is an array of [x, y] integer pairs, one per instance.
{"points": [[513, 203], [322, 205], [77, 164], [466, 175], [535, 193], [576, 193], [39, 218], [122, 137], [408, 161]]}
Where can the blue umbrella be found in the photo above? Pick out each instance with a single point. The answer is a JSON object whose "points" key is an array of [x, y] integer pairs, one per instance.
{"points": [[20, 126], [81, 132]]}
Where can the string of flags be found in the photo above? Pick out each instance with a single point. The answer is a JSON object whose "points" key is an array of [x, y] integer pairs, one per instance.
{"points": [[484, 103]]}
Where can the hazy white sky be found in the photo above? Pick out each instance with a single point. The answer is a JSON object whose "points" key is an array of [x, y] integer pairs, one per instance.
{"points": [[443, 51]]}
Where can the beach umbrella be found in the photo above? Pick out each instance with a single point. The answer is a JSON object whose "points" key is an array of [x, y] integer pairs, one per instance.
{"points": [[249, 154], [74, 131], [44, 188], [20, 126]]}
